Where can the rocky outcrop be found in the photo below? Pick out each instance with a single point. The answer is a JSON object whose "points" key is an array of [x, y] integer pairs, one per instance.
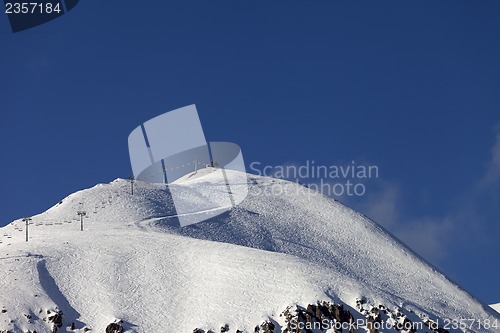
{"points": [[320, 316], [325, 316], [267, 327], [114, 328], [56, 319]]}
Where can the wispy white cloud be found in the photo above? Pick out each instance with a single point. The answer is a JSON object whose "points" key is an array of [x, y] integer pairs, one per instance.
{"points": [[383, 206], [493, 174], [427, 236], [430, 236]]}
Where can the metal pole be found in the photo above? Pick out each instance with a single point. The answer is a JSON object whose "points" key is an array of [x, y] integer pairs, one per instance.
{"points": [[131, 177], [82, 213], [228, 188], [164, 168], [27, 219], [195, 165]]}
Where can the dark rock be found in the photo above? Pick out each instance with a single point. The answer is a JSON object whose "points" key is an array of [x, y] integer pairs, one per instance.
{"points": [[114, 328], [267, 327], [56, 318]]}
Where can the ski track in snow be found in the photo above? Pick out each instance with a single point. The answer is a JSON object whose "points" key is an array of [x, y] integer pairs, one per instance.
{"points": [[132, 262]]}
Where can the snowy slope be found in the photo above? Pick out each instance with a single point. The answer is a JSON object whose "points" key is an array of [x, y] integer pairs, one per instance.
{"points": [[283, 245]]}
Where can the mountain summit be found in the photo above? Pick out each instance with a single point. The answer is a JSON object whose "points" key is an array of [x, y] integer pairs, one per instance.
{"points": [[286, 259]]}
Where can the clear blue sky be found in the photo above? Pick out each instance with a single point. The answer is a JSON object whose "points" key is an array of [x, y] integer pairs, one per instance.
{"points": [[412, 87]]}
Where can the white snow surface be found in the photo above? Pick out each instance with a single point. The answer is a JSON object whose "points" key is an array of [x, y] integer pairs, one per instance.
{"points": [[283, 245]]}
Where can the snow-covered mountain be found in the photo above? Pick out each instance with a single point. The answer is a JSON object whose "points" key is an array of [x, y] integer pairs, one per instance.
{"points": [[265, 263]]}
